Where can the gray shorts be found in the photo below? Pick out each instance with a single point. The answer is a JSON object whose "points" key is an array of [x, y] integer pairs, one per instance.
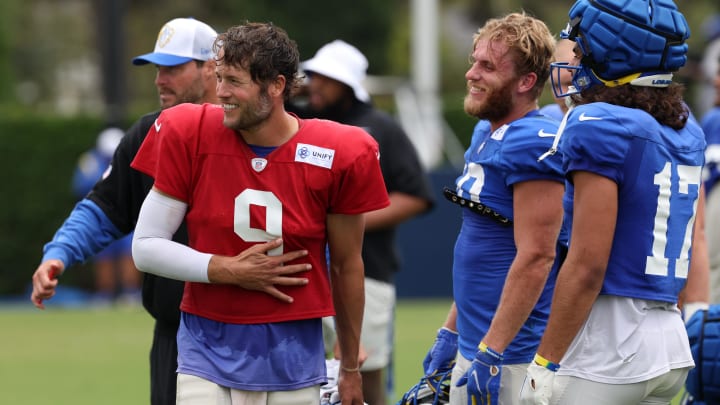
{"points": [[377, 334]]}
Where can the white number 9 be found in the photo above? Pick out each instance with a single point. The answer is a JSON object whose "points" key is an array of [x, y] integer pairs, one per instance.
{"points": [[273, 218]]}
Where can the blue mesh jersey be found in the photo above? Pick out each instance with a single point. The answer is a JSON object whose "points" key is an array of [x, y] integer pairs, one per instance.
{"points": [[711, 126], [658, 173], [484, 249]]}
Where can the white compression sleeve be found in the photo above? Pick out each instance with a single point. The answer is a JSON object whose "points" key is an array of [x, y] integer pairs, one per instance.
{"points": [[153, 249]]}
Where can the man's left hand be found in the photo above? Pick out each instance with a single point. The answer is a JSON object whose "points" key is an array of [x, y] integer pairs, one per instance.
{"points": [[483, 377], [538, 386]]}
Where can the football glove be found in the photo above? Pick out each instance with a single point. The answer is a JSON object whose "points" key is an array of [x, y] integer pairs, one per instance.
{"points": [[538, 386], [442, 353], [483, 377]]}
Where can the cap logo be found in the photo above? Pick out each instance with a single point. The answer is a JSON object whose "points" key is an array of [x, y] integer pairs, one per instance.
{"points": [[165, 35]]}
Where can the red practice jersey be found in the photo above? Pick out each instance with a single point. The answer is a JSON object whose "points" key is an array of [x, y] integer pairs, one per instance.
{"points": [[236, 199]]}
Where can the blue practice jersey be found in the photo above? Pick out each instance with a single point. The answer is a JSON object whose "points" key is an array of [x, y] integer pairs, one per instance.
{"points": [[484, 249], [658, 173]]}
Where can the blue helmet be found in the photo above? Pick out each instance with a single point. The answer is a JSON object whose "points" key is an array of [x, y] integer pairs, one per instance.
{"points": [[432, 389], [625, 41]]}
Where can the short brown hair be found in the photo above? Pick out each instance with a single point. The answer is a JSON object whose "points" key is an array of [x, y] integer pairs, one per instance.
{"points": [[264, 50]]}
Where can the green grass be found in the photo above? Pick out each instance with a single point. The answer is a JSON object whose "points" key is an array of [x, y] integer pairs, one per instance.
{"points": [[100, 356], [78, 356], [417, 322]]}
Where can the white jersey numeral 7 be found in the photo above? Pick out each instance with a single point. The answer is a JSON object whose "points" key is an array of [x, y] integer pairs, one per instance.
{"points": [[658, 264]]}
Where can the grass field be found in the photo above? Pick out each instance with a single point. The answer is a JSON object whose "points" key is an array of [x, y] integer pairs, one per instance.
{"points": [[77, 356], [100, 356]]}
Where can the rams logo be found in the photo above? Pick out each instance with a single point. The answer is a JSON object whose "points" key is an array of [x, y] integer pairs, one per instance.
{"points": [[165, 35]]}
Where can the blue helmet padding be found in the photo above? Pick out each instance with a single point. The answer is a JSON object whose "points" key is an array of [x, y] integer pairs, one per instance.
{"points": [[703, 381], [622, 37]]}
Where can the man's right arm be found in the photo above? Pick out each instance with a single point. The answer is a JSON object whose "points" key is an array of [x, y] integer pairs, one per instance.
{"points": [[95, 222], [83, 234]]}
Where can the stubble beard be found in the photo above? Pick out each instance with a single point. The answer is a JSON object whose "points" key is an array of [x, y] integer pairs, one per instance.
{"points": [[251, 114], [195, 93]]}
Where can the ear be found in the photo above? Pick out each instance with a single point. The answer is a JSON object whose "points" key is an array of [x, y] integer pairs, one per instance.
{"points": [[208, 68], [277, 86], [527, 82]]}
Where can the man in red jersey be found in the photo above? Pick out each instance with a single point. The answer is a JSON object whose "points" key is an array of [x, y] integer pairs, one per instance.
{"points": [[244, 173]]}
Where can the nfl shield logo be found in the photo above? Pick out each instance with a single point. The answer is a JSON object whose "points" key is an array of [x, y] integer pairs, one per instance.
{"points": [[258, 164]]}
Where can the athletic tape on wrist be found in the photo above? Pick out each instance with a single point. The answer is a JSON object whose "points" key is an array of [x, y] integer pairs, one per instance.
{"points": [[542, 361], [484, 348]]}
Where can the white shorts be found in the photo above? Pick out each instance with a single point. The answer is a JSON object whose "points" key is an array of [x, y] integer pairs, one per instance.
{"points": [[511, 382], [628, 340], [377, 327], [662, 389], [193, 390]]}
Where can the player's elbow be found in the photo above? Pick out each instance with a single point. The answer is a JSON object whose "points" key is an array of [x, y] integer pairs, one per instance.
{"points": [[142, 252], [541, 260], [588, 277]]}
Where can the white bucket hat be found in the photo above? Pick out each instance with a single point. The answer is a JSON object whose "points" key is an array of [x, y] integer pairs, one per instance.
{"points": [[180, 41], [343, 62]]}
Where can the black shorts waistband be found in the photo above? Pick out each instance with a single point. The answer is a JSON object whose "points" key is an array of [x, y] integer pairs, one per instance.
{"points": [[475, 206]]}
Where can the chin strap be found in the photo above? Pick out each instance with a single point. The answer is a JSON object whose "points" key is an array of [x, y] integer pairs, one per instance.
{"points": [[553, 149]]}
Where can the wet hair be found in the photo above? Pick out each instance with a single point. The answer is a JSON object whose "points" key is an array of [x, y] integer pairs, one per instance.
{"points": [[528, 39], [665, 104], [264, 50]]}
